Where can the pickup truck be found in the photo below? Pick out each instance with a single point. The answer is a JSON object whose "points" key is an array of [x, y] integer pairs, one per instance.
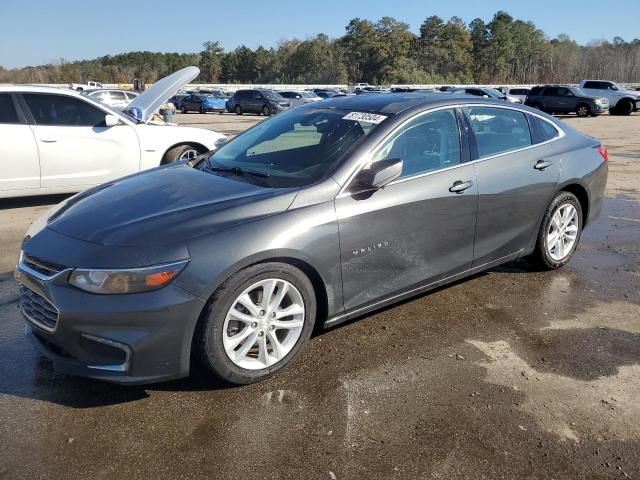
{"points": [[621, 101], [90, 85]]}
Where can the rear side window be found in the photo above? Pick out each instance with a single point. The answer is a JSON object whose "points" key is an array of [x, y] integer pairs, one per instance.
{"points": [[518, 91], [541, 130], [63, 110], [535, 91], [8, 112], [499, 130], [551, 91]]}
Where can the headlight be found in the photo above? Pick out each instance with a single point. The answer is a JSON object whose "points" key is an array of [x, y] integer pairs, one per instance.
{"points": [[134, 280]]}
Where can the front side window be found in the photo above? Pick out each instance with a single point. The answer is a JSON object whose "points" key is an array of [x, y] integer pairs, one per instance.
{"points": [[294, 149], [551, 91], [8, 112], [429, 142], [62, 110], [498, 130], [565, 92], [595, 85]]}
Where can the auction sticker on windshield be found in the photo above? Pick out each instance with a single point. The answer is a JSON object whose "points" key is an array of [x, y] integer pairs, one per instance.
{"points": [[365, 117]]}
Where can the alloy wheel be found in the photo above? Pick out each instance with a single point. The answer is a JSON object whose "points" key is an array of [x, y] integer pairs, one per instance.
{"points": [[562, 232], [263, 324], [188, 154]]}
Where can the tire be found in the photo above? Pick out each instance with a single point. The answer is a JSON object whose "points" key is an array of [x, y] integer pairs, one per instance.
{"points": [[177, 153], [238, 110], [543, 255], [183, 109], [583, 110], [215, 346], [202, 110], [624, 107], [266, 111]]}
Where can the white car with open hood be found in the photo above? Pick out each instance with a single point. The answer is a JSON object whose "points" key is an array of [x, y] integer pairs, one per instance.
{"points": [[55, 140]]}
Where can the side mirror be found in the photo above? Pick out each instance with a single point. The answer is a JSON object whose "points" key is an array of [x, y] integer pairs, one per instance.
{"points": [[220, 142], [379, 174], [111, 120]]}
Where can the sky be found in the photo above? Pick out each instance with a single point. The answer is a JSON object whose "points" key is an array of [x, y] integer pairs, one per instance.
{"points": [[43, 31]]}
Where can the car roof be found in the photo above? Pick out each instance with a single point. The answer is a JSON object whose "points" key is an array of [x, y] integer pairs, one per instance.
{"points": [[37, 89], [394, 103]]}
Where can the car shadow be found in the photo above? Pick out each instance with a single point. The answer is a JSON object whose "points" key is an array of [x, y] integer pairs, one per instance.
{"points": [[33, 201]]}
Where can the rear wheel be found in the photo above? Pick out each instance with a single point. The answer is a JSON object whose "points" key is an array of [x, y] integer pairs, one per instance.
{"points": [[256, 322], [583, 110], [202, 110], [559, 233], [238, 110]]}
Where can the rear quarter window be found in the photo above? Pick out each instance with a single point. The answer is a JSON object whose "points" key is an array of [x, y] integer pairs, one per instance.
{"points": [[541, 130]]}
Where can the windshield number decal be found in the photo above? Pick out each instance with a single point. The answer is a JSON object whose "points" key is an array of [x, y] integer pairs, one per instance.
{"points": [[365, 117]]}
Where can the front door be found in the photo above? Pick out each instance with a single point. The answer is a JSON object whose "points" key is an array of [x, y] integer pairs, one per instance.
{"points": [[516, 180], [415, 230], [19, 162], [76, 147]]}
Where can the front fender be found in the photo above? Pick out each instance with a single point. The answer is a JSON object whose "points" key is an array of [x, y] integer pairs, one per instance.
{"points": [[308, 234]]}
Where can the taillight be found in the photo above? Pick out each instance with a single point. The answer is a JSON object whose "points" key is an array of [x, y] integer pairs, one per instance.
{"points": [[603, 153]]}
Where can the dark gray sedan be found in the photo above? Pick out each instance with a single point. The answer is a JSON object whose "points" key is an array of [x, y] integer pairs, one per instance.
{"points": [[318, 215]]}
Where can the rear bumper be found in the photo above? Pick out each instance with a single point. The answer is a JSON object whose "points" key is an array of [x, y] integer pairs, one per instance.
{"points": [[129, 339]]}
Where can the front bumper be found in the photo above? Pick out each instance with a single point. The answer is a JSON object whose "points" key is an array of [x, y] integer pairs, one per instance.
{"points": [[129, 339], [600, 108]]}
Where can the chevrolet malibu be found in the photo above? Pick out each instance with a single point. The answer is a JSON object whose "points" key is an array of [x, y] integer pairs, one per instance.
{"points": [[313, 217]]}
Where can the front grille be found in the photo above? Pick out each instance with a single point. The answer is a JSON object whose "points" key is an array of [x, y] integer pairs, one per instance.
{"points": [[38, 310], [46, 268]]}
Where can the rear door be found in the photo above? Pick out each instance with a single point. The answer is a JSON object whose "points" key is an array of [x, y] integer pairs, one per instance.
{"points": [[551, 99], [516, 180], [415, 230], [76, 148], [19, 161]]}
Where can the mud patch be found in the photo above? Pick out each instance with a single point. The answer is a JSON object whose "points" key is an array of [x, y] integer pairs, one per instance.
{"points": [[605, 408]]}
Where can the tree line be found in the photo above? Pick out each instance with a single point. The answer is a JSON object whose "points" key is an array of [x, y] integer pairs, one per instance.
{"points": [[502, 51]]}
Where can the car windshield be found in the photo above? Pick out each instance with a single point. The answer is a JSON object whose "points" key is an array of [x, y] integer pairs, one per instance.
{"points": [[272, 95], [294, 149]]}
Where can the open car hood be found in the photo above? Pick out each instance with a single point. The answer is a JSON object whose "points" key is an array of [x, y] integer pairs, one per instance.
{"points": [[161, 91]]}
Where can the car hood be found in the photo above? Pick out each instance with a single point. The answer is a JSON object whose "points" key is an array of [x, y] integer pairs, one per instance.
{"points": [[164, 205], [161, 91]]}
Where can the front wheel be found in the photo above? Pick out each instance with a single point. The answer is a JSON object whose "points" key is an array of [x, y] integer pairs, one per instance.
{"points": [[559, 233], [266, 111], [181, 152], [624, 107], [183, 109], [256, 322], [583, 110]]}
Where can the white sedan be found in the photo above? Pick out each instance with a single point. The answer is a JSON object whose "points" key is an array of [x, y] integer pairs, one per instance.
{"points": [[58, 141]]}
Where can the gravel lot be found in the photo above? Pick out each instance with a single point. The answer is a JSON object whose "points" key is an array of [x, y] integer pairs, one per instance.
{"points": [[509, 374]]}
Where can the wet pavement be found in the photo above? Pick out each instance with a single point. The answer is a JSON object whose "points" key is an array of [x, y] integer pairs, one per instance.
{"points": [[512, 373]]}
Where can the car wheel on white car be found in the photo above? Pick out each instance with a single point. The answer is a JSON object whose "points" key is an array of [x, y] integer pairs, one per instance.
{"points": [[181, 152], [256, 322]]}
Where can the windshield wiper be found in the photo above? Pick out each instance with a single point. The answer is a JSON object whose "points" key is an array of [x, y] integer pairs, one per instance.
{"points": [[238, 171]]}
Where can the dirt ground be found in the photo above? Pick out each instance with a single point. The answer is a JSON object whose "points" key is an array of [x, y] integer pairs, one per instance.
{"points": [[510, 374]]}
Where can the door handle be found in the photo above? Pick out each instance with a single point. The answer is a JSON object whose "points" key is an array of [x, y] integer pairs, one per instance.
{"points": [[542, 164], [48, 140], [459, 186]]}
